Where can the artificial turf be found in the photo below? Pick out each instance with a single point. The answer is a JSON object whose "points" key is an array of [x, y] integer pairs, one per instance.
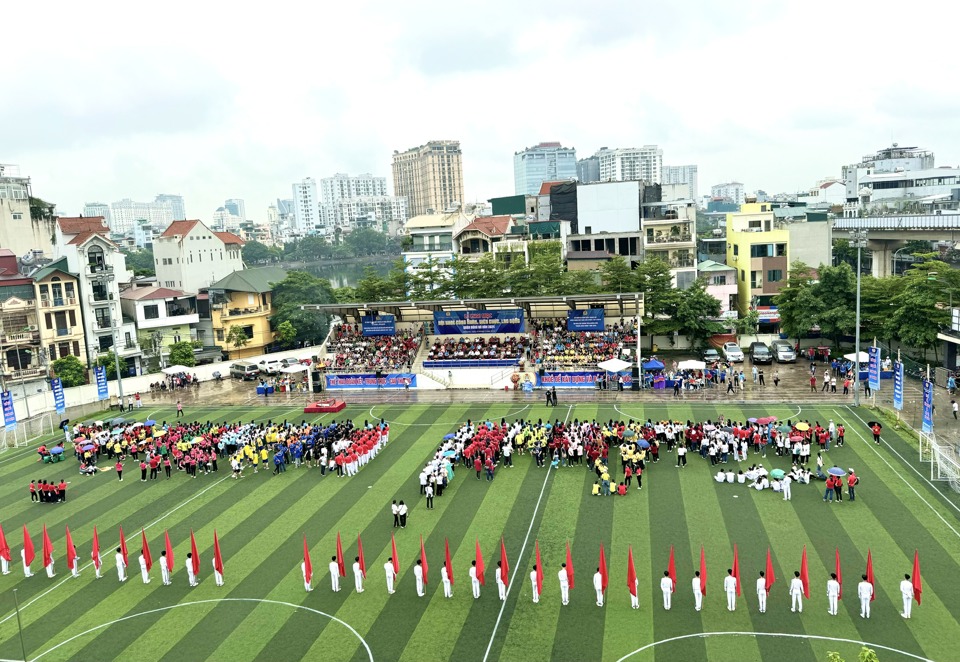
{"points": [[261, 519]]}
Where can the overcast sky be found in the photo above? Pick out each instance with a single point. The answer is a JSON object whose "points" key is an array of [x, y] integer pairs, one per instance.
{"points": [[105, 100]]}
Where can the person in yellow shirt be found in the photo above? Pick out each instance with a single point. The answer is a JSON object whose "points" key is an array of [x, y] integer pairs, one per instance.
{"points": [[596, 489]]}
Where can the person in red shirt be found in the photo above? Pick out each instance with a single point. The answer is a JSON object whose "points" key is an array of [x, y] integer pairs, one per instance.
{"points": [[143, 471], [33, 491], [478, 466], [63, 490], [622, 489], [627, 475], [154, 464], [828, 493], [119, 468], [166, 466], [813, 383], [876, 433]]}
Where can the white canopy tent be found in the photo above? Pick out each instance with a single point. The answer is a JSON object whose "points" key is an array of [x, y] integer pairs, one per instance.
{"points": [[175, 369], [691, 364], [864, 357], [299, 367], [614, 365]]}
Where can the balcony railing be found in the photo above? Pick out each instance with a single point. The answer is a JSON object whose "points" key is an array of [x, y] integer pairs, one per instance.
{"points": [[101, 298], [240, 312], [102, 323], [27, 373], [99, 268], [669, 239], [683, 263], [24, 336], [64, 332], [58, 301]]}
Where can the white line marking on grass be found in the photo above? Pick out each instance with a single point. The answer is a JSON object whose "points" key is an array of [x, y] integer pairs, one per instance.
{"points": [[523, 548], [773, 634], [200, 602], [868, 443], [129, 538]]}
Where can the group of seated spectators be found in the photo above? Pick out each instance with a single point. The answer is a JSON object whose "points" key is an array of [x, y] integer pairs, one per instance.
{"points": [[478, 348], [555, 347], [349, 349]]}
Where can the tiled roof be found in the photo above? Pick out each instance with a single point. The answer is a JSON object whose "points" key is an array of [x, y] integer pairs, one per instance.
{"points": [[492, 226], [545, 186], [251, 280], [145, 293], [179, 228], [77, 225], [230, 238], [83, 237]]}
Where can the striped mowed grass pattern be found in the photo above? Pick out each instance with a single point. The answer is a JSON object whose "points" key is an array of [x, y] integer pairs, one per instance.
{"points": [[261, 519]]}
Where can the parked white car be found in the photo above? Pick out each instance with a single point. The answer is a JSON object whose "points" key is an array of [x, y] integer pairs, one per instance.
{"points": [[732, 352], [272, 366]]}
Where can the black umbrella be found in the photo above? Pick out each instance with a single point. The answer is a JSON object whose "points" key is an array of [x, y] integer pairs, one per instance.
{"points": [[870, 424]]}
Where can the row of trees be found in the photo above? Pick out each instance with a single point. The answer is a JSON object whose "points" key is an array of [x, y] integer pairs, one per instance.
{"points": [[358, 243]]}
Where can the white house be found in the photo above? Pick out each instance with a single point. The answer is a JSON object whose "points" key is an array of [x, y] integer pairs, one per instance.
{"points": [[190, 256]]}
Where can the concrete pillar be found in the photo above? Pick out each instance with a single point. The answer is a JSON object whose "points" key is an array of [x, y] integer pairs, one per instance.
{"points": [[883, 250]]}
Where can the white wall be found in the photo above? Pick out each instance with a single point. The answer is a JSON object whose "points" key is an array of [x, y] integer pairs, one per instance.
{"points": [[609, 207]]}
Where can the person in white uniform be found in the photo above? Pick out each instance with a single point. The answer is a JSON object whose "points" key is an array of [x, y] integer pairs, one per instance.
{"points": [[26, 566], [334, 574], [666, 587], [474, 580], [533, 583], [217, 575], [730, 588], [598, 586], [144, 573], [418, 575], [501, 585], [121, 566], [697, 591], [391, 575], [864, 592], [75, 567], [796, 592], [762, 592], [564, 585], [785, 487], [445, 580], [4, 566], [306, 582], [164, 570], [97, 564], [906, 592], [191, 575], [49, 568], [357, 575], [833, 594], [635, 594]]}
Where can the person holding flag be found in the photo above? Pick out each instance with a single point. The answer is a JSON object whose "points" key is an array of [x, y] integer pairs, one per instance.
{"points": [[357, 575], [72, 557], [598, 586], [193, 562], [730, 588], [306, 567], [796, 592], [833, 594], [95, 553], [762, 592], [865, 593], [144, 569], [601, 575], [27, 554], [564, 584], [418, 576], [666, 587], [906, 592], [533, 584], [476, 573], [501, 578], [391, 575], [121, 565], [217, 561], [4, 554], [48, 554], [633, 582], [166, 561], [446, 571], [146, 560], [334, 574], [700, 581]]}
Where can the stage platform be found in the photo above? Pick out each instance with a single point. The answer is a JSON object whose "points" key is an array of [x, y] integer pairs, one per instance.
{"points": [[325, 406]]}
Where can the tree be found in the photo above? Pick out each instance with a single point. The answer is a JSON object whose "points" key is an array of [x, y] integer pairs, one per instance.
{"points": [[309, 326], [141, 262], [921, 306], [836, 293], [300, 288], [70, 370], [660, 298], [616, 276], [697, 313], [181, 353], [237, 337], [794, 311], [109, 362], [363, 242], [254, 252], [285, 334], [746, 324]]}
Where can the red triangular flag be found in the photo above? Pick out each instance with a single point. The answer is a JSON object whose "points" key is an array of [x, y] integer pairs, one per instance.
{"points": [[396, 559], [307, 565], [169, 548], [504, 566], [917, 585], [195, 555], [603, 570], [341, 566], [768, 574], [29, 552], [631, 573], [95, 552], [870, 575], [47, 548], [123, 547], [362, 561], [446, 560], [423, 561], [539, 564], [703, 571], [480, 567], [71, 550], [736, 567], [4, 547], [569, 566], [839, 575], [672, 570], [146, 550], [217, 557], [805, 574]]}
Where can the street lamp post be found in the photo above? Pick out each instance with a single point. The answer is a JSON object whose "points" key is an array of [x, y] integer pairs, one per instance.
{"points": [[858, 239], [896, 261]]}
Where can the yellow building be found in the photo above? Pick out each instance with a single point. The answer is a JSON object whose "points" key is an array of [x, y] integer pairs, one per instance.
{"points": [[60, 317], [244, 299], [760, 254]]}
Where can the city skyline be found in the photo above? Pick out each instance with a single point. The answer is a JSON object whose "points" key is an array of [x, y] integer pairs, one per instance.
{"points": [[195, 121]]}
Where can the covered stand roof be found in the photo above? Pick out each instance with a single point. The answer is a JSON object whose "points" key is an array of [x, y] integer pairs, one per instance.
{"points": [[626, 304]]}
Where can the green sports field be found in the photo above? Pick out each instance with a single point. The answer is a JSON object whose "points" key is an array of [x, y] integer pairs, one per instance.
{"points": [[263, 613]]}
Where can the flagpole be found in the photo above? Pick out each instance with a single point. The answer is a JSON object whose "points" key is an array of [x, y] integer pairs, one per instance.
{"points": [[873, 391], [23, 648], [901, 384]]}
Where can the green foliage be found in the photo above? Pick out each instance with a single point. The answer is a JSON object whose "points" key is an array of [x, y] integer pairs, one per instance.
{"points": [[237, 337], [181, 353], [299, 288], [746, 324], [865, 655], [359, 243], [70, 370], [660, 298], [697, 313], [41, 210], [828, 302], [108, 361], [285, 333], [255, 252], [291, 324], [921, 306], [616, 276], [141, 262]]}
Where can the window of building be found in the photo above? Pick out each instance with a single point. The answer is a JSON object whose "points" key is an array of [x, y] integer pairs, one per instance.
{"points": [[220, 335], [781, 250], [719, 280], [106, 342], [774, 275], [743, 275], [151, 312], [17, 216], [248, 331], [755, 280], [761, 250], [736, 249]]}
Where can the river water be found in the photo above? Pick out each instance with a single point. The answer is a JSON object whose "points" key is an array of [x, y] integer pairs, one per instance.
{"points": [[347, 274]]}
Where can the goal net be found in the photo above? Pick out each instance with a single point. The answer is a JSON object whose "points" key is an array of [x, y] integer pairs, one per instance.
{"points": [[944, 460]]}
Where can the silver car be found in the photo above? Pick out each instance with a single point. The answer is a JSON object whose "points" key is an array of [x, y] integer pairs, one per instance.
{"points": [[732, 352]]}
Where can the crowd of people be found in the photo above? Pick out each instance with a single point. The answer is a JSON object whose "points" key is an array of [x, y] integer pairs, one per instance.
{"points": [[478, 348], [555, 347], [349, 349]]}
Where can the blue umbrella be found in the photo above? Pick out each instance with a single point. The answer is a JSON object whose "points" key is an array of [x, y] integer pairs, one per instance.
{"points": [[448, 437], [150, 421], [87, 447], [836, 471], [56, 450], [548, 426], [643, 443], [653, 364], [449, 453], [629, 433]]}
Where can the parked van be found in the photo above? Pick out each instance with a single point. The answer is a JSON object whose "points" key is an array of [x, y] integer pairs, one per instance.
{"points": [[244, 370], [783, 351], [760, 353]]}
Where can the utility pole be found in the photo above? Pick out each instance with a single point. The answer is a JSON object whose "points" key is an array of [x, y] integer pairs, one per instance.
{"points": [[858, 239]]}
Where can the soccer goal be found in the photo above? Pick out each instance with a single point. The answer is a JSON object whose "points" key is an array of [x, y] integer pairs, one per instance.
{"points": [[944, 460]]}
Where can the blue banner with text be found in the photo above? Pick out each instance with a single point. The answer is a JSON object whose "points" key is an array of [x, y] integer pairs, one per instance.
{"points": [[371, 381], [379, 325], [590, 319], [459, 322]]}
